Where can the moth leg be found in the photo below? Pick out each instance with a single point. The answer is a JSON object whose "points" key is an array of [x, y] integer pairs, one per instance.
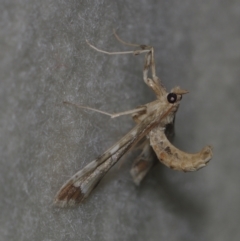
{"points": [[135, 52], [140, 109], [124, 42], [155, 82], [174, 158], [142, 48], [143, 163]]}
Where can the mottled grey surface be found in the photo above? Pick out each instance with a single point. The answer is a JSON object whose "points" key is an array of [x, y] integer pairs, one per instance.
{"points": [[45, 60]]}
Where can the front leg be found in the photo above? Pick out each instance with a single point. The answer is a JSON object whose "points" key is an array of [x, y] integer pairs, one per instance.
{"points": [[154, 82]]}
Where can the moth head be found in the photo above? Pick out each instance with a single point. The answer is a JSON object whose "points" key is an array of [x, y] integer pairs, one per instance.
{"points": [[176, 95]]}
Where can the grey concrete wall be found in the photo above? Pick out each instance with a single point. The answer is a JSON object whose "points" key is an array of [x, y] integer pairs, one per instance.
{"points": [[45, 60]]}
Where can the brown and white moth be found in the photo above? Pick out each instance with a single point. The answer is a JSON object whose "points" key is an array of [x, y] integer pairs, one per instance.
{"points": [[154, 125]]}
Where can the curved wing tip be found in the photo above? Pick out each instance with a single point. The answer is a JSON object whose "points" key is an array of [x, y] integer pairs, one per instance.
{"points": [[207, 153], [59, 203]]}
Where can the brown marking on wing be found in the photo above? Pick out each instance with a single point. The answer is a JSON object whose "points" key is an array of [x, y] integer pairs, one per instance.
{"points": [[76, 194], [69, 192], [162, 155], [141, 165], [168, 150], [140, 168]]}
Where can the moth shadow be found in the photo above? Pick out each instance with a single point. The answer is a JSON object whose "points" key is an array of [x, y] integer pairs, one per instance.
{"points": [[178, 194]]}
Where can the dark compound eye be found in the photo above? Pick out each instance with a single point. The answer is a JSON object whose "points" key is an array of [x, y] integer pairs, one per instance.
{"points": [[172, 97]]}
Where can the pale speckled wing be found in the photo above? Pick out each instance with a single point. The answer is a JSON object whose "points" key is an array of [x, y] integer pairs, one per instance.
{"points": [[173, 158], [79, 186], [143, 163]]}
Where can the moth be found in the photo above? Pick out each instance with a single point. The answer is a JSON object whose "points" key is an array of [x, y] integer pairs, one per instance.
{"points": [[154, 127]]}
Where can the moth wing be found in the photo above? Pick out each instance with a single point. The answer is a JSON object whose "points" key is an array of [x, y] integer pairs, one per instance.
{"points": [[80, 185], [143, 163]]}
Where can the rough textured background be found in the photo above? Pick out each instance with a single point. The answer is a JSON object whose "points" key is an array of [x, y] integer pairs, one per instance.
{"points": [[45, 60]]}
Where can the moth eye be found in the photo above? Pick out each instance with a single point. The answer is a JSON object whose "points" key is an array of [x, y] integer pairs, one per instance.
{"points": [[172, 97]]}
